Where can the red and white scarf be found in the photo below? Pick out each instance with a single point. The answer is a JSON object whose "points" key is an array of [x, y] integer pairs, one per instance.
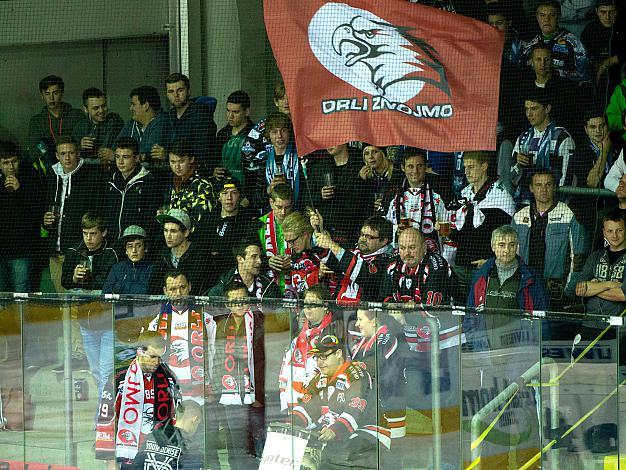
{"points": [[186, 346], [237, 382], [130, 417], [365, 344], [145, 402], [348, 290], [298, 366], [416, 207]]}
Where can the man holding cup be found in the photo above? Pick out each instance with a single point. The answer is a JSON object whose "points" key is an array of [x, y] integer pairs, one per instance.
{"points": [[544, 144], [333, 180], [85, 269], [378, 176], [72, 190], [19, 208], [97, 132], [270, 233], [415, 203]]}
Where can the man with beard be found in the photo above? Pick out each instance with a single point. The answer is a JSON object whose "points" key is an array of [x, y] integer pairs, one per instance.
{"points": [[362, 269], [190, 119]]}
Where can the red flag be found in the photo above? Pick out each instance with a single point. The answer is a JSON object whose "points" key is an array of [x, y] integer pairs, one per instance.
{"points": [[386, 72]]}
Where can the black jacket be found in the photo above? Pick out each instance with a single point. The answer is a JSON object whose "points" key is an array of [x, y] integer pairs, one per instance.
{"points": [[105, 133], [264, 287], [222, 235], [193, 264], [196, 126], [132, 202], [83, 193], [20, 212], [103, 260], [344, 213]]}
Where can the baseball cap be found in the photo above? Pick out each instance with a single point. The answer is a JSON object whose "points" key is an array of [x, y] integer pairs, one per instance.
{"points": [[326, 343], [177, 216], [227, 183], [133, 231]]}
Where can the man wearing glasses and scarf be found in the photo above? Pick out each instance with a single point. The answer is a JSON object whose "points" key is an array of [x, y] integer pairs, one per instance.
{"points": [[361, 268]]}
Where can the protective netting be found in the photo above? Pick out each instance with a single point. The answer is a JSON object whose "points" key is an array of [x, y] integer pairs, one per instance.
{"points": [[110, 82], [330, 153]]}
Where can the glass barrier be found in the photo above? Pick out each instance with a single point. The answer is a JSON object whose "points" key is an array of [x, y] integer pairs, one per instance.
{"points": [[148, 383]]}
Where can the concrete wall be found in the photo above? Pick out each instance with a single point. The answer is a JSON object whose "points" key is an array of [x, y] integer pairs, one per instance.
{"points": [[119, 44], [45, 21], [238, 55], [116, 46]]}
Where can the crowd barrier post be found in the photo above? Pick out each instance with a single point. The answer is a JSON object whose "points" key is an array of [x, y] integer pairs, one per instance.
{"points": [[433, 325], [504, 398], [70, 447]]}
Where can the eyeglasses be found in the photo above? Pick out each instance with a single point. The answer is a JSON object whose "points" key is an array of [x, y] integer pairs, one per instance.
{"points": [[292, 241], [367, 236], [322, 357]]}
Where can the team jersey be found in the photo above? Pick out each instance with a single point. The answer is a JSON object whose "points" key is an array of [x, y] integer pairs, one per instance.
{"points": [[346, 403]]}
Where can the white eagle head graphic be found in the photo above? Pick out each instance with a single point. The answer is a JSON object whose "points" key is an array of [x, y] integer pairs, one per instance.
{"points": [[374, 55]]}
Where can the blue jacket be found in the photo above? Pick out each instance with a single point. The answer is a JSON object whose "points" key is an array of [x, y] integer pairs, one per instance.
{"points": [[150, 136], [564, 238], [196, 126], [483, 331], [127, 277], [531, 294]]}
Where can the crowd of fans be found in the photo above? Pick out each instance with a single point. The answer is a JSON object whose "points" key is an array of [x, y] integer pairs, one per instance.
{"points": [[167, 204]]}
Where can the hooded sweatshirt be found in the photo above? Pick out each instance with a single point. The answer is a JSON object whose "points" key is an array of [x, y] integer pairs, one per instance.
{"points": [[75, 193]]}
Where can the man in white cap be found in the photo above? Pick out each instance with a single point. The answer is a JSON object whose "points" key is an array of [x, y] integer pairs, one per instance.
{"points": [[132, 275]]}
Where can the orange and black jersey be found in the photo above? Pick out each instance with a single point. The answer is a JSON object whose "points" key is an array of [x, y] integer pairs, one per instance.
{"points": [[345, 402]]}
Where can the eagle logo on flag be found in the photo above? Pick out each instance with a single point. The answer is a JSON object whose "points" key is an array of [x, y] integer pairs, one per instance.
{"points": [[373, 55]]}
